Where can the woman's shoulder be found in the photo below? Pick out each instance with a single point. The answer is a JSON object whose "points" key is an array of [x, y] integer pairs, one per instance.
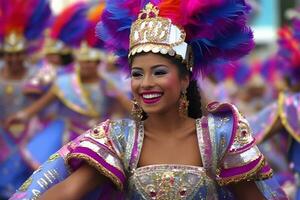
{"points": [[238, 158], [115, 132], [228, 128], [119, 128]]}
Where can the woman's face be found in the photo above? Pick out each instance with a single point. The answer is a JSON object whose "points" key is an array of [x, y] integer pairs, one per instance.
{"points": [[155, 83], [15, 61], [88, 68], [54, 59]]}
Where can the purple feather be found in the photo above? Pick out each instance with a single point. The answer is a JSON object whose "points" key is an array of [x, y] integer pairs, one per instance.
{"points": [[39, 20], [216, 30]]}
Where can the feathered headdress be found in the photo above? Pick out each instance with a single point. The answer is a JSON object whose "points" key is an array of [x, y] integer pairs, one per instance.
{"points": [[212, 31], [93, 17], [242, 73], [67, 30], [289, 52], [22, 20], [90, 48], [270, 70], [1, 25]]}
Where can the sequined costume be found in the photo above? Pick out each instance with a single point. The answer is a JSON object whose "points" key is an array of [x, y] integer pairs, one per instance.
{"points": [[42, 81], [226, 147], [12, 100], [13, 137], [286, 109], [80, 107]]}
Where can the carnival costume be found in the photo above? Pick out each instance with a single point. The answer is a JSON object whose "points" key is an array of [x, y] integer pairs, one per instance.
{"points": [[226, 146], [80, 105], [286, 108], [22, 23], [60, 41]]}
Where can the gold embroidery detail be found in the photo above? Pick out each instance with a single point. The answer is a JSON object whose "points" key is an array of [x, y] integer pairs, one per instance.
{"points": [[26, 184], [156, 34], [243, 133], [53, 157], [223, 141], [98, 132], [168, 182], [284, 119], [146, 30], [92, 162], [248, 176]]}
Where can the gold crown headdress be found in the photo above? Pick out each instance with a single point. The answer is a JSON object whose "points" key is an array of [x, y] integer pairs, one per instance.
{"points": [[151, 33], [14, 42], [53, 46], [200, 34], [22, 24], [61, 37], [87, 53]]}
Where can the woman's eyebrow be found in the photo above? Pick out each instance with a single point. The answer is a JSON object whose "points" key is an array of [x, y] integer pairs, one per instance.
{"points": [[158, 65], [136, 68], [154, 66]]}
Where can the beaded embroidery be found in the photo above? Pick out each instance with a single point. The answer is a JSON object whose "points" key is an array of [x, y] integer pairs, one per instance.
{"points": [[170, 181]]}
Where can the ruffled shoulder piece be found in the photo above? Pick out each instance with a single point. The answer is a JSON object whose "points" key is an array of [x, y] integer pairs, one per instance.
{"points": [[239, 158], [103, 147], [290, 113], [69, 90]]}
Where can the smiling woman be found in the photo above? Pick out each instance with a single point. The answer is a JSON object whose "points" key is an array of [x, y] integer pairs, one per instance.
{"points": [[170, 150], [157, 84]]}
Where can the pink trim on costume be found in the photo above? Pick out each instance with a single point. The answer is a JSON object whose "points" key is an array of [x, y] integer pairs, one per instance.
{"points": [[207, 159], [64, 151], [265, 169], [239, 171], [93, 141], [244, 148], [75, 163], [18, 196]]}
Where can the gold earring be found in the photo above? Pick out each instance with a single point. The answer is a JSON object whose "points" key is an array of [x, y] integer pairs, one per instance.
{"points": [[183, 105], [136, 111]]}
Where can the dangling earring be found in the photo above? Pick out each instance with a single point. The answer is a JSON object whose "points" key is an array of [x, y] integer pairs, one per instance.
{"points": [[136, 111], [183, 105]]}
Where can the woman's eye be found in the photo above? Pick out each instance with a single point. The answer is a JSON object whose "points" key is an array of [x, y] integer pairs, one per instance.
{"points": [[136, 74], [160, 72]]}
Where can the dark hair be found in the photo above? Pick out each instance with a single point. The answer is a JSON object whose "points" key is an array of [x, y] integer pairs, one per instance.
{"points": [[193, 93], [66, 59]]}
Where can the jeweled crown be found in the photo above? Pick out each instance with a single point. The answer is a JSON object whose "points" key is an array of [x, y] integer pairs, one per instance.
{"points": [[14, 42], [55, 46], [152, 33], [87, 53]]}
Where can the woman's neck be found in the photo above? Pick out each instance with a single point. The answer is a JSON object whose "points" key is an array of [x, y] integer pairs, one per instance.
{"points": [[93, 79], [169, 123]]}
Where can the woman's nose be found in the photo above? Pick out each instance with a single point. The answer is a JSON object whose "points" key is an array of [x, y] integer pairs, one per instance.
{"points": [[147, 81]]}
